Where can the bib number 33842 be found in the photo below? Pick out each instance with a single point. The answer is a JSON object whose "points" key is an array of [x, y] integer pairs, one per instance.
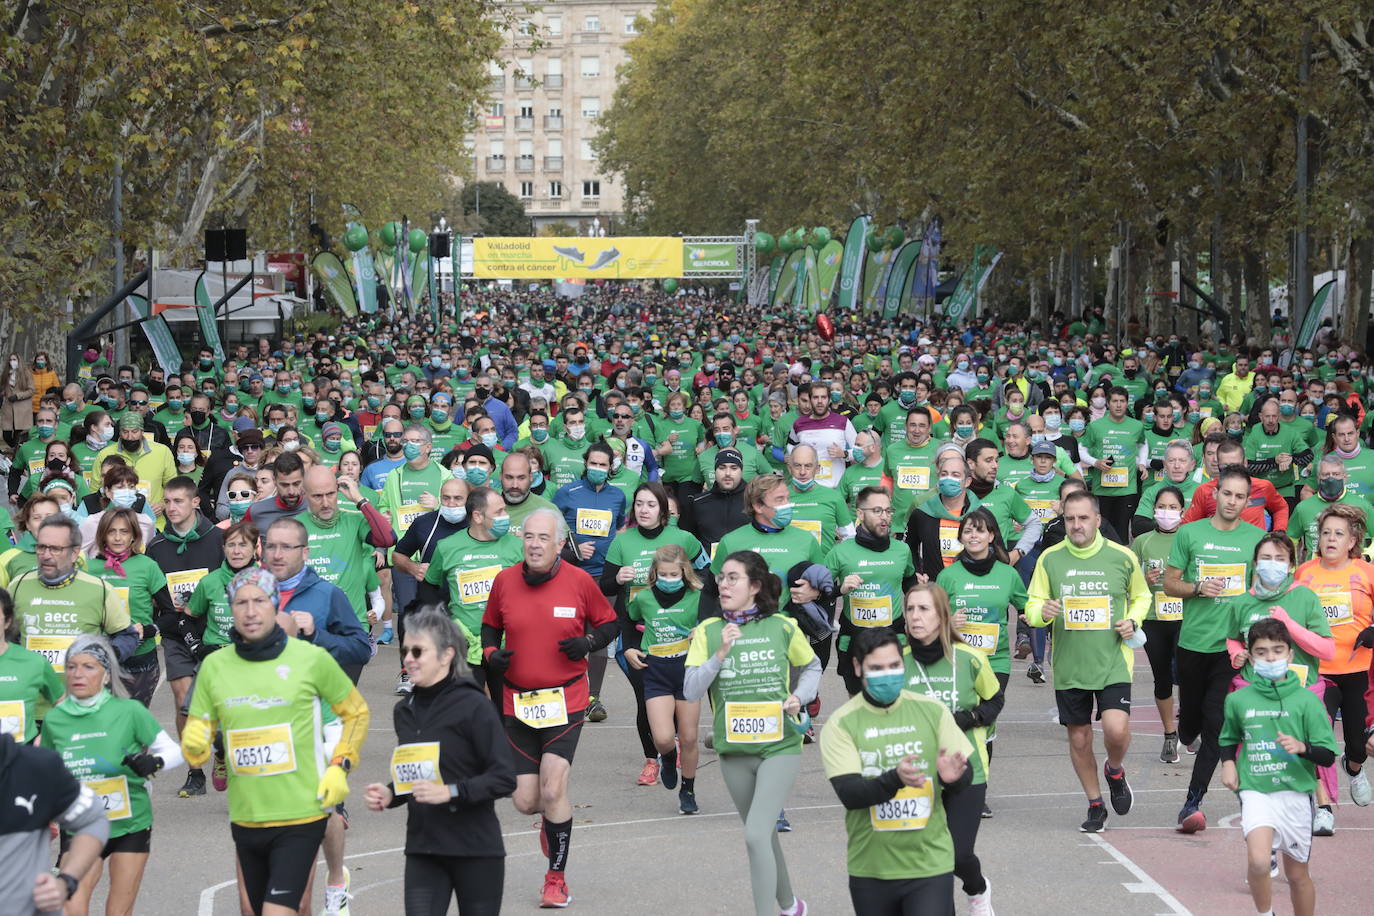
{"points": [[909, 809]]}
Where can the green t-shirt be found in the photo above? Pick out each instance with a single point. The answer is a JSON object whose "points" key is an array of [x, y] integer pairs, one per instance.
{"points": [[50, 619], [990, 604], [912, 470], [271, 727], [400, 500], [681, 463], [1260, 446], [1011, 471], [141, 581], [1010, 510], [1105, 438], [564, 460], [1305, 609], [469, 566], [1146, 506], [93, 747], [631, 548], [754, 680], [1040, 495], [341, 555], [821, 511], [907, 836], [211, 601], [858, 476], [958, 683], [1253, 717], [666, 627], [1302, 521], [781, 550], [1202, 551], [877, 602], [24, 676], [1152, 550], [1360, 473]]}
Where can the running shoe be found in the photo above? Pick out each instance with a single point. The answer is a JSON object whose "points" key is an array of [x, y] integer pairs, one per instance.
{"points": [[1169, 753], [1360, 792], [1323, 823], [1194, 745], [403, 685], [987, 811], [649, 775], [1120, 791], [981, 904], [336, 897], [219, 774], [596, 710], [667, 773], [1023, 646], [555, 894], [687, 802], [813, 709], [1097, 819], [1035, 672], [798, 908], [1191, 819], [388, 634], [194, 784], [709, 739], [809, 736], [783, 825]]}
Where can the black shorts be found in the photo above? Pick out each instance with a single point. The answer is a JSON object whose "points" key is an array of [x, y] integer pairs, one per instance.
{"points": [[178, 659], [663, 677], [277, 862], [138, 841], [531, 744], [1076, 705]]}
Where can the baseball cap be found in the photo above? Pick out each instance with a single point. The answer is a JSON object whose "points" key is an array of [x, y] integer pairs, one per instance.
{"points": [[1044, 448]]}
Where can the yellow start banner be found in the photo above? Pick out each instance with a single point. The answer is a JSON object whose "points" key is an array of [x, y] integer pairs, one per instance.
{"points": [[577, 258]]}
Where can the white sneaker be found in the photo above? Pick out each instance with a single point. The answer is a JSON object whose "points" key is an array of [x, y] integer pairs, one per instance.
{"points": [[981, 904], [1360, 791], [403, 685], [1323, 823], [336, 897]]}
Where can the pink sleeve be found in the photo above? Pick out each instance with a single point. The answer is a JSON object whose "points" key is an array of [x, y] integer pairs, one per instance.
{"points": [[1322, 647]]}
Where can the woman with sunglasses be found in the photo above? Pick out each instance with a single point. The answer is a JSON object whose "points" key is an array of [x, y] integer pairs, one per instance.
{"points": [[240, 491], [451, 763], [757, 735]]}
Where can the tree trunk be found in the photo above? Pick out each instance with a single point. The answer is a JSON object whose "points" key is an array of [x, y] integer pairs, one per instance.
{"points": [[25, 335], [1353, 322], [1063, 299], [1161, 307], [1256, 327]]}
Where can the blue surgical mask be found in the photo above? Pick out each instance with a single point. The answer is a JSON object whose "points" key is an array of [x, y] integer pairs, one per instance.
{"points": [[885, 687], [856, 454], [454, 515], [597, 476], [411, 450], [490, 440], [439, 416], [539, 434], [476, 475], [1076, 425], [333, 445], [803, 485], [1271, 573], [950, 486], [782, 515], [669, 586], [500, 527], [537, 480], [964, 431], [124, 498], [1271, 670]]}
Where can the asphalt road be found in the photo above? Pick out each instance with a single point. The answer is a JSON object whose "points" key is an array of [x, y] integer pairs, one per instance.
{"points": [[633, 853]]}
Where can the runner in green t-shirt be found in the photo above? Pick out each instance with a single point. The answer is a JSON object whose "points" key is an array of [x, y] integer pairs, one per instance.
{"points": [[1162, 623], [1272, 593], [141, 586], [910, 462], [341, 544], [770, 533], [24, 677], [1276, 451], [1112, 446], [869, 468], [1332, 487], [985, 592]]}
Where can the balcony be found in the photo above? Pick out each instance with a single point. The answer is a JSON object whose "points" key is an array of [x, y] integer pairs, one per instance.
{"points": [[495, 122], [524, 164], [496, 163], [553, 163], [589, 37], [553, 122], [524, 123], [553, 81], [524, 82], [497, 84], [550, 203]]}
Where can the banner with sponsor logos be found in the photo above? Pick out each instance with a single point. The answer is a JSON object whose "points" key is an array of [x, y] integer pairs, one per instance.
{"points": [[709, 257], [578, 258]]}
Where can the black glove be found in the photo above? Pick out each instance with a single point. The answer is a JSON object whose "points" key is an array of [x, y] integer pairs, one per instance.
{"points": [[575, 647], [149, 630], [144, 764], [965, 719], [1156, 464], [1366, 638], [499, 660]]}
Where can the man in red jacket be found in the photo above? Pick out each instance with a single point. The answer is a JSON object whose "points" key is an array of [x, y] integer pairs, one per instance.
{"points": [[1264, 498], [552, 615]]}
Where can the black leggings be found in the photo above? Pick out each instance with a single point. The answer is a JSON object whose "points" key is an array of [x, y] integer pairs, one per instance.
{"points": [[432, 881], [964, 812], [1119, 509], [933, 896], [1346, 693], [1204, 678], [1161, 642], [277, 861], [646, 736]]}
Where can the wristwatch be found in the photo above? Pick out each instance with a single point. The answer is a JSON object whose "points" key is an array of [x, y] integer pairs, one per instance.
{"points": [[1197, 588], [72, 883], [343, 763]]}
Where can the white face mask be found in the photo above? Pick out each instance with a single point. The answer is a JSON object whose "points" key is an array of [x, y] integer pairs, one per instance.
{"points": [[576, 432]]}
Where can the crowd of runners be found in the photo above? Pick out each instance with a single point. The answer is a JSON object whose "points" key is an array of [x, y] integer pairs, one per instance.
{"points": [[720, 502]]}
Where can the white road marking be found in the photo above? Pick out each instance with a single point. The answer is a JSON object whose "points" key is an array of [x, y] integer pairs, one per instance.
{"points": [[1144, 884]]}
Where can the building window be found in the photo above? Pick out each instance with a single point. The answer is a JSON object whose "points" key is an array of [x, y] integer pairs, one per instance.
{"points": [[591, 106], [526, 190], [526, 109], [630, 27], [591, 66], [588, 154], [555, 25], [591, 24], [497, 109], [497, 149], [555, 190], [591, 189]]}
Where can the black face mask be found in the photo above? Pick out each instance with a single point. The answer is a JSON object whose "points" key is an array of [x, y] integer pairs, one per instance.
{"points": [[133, 446], [56, 465], [156, 388], [198, 417], [481, 392]]}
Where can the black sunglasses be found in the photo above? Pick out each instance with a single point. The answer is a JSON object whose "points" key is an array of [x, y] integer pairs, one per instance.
{"points": [[413, 651]]}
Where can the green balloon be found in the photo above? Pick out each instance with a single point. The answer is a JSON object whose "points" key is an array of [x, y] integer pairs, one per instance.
{"points": [[390, 232], [670, 286], [355, 237], [895, 237], [763, 242], [418, 241], [820, 236], [786, 243]]}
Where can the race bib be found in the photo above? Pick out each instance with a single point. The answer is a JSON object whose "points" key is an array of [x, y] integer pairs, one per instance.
{"points": [[182, 584], [474, 585], [870, 612], [1232, 576], [12, 719], [542, 708], [1300, 671], [1116, 477], [1167, 607], [913, 477], [594, 523], [810, 526], [369, 431], [1042, 509], [407, 514], [949, 540], [1088, 613], [1338, 607], [267, 751], [53, 648], [982, 636], [669, 649], [909, 809], [753, 723], [36, 465], [144, 487], [114, 796], [825, 469], [123, 592], [412, 763]]}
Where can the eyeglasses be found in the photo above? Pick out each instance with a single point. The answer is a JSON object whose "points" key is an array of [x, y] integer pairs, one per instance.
{"points": [[51, 548], [731, 579], [413, 651], [282, 548], [877, 511]]}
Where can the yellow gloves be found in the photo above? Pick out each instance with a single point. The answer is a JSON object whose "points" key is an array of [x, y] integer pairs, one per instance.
{"points": [[333, 787], [195, 741]]}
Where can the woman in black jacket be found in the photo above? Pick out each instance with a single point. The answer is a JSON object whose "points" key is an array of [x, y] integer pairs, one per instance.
{"points": [[451, 763]]}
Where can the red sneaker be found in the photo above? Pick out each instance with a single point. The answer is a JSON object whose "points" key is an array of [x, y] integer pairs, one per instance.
{"points": [[219, 775], [555, 891], [649, 775]]}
